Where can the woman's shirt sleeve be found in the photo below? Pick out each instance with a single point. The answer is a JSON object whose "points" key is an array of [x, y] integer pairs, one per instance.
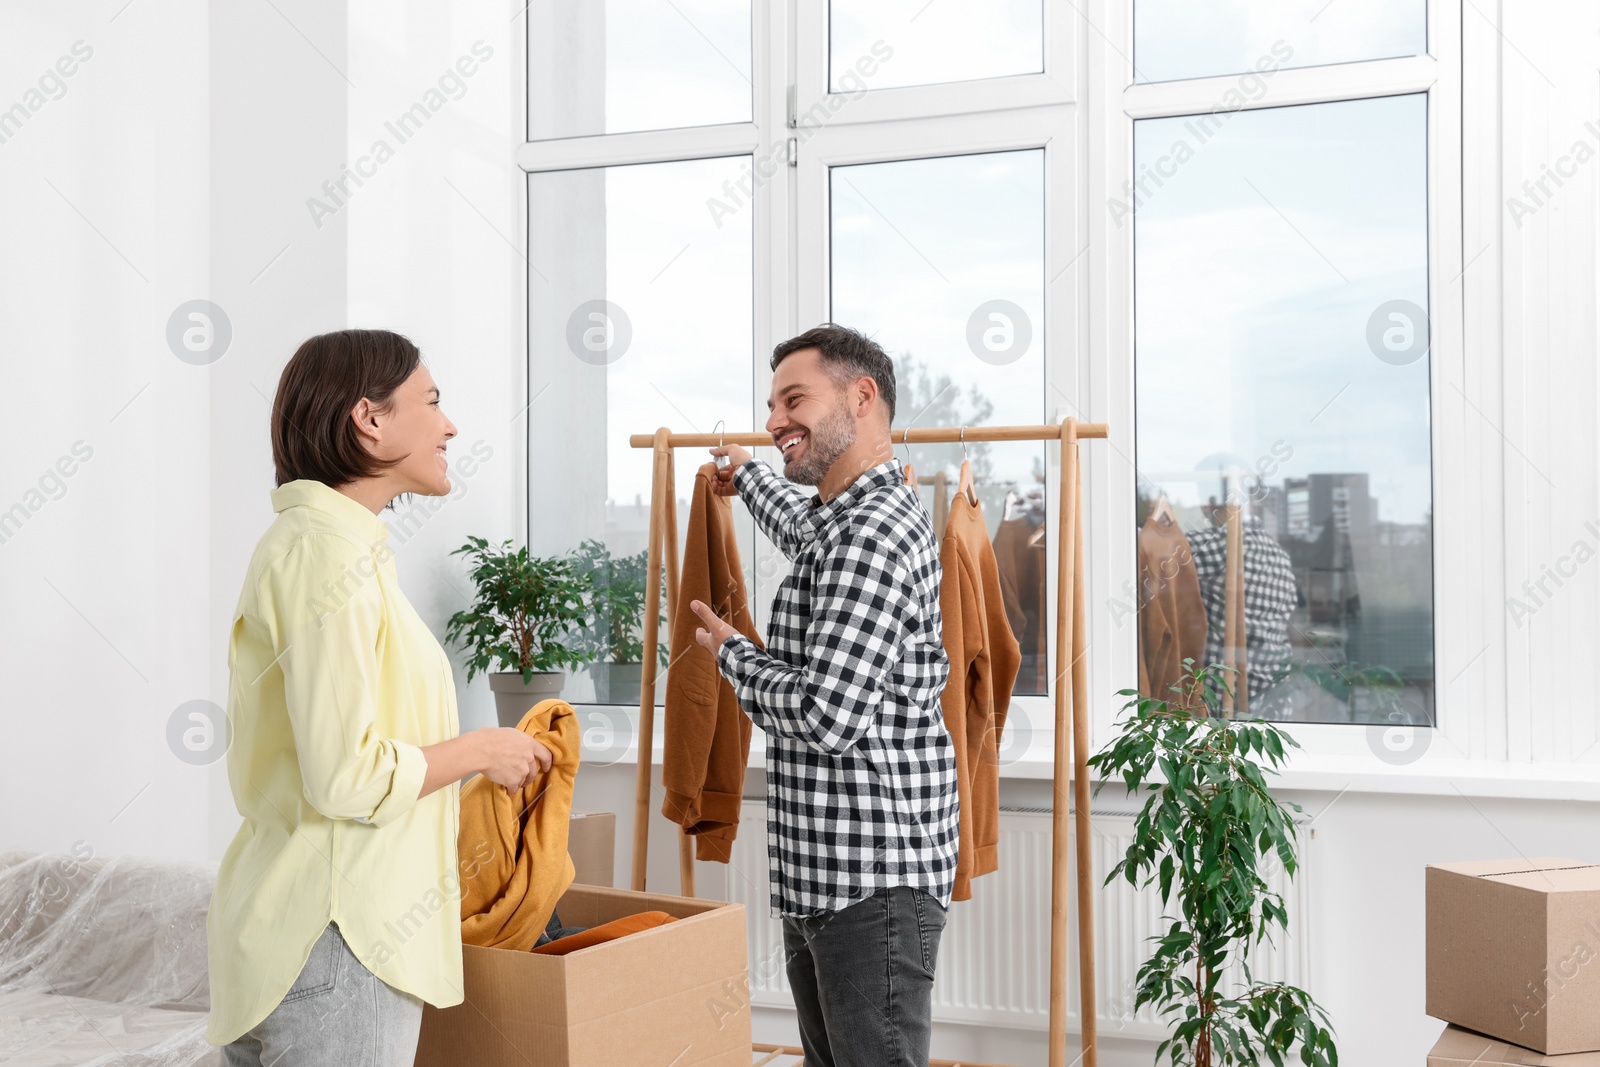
{"points": [[325, 603]]}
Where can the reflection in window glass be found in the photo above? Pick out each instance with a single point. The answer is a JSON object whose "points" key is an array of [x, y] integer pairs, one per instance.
{"points": [[942, 262], [626, 65], [1281, 281], [1175, 39], [922, 43], [640, 315]]}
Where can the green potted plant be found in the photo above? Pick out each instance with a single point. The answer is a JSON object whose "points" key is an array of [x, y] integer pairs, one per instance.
{"points": [[522, 617], [613, 634], [1206, 823]]}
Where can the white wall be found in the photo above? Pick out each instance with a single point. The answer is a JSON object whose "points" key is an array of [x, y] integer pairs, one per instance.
{"points": [[278, 81], [105, 622], [435, 239], [177, 164]]}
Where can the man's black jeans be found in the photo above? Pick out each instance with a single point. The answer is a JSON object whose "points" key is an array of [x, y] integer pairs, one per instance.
{"points": [[862, 979]]}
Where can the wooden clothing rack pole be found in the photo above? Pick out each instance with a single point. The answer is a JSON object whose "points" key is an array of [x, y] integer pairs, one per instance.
{"points": [[1071, 690], [663, 540]]}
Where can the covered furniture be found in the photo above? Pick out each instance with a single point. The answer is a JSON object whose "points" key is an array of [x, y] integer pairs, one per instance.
{"points": [[103, 961]]}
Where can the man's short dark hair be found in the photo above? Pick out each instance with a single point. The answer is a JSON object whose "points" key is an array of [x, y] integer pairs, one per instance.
{"points": [[846, 355], [312, 433]]}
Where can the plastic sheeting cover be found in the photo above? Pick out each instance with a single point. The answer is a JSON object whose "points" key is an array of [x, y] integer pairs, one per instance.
{"points": [[103, 961]]}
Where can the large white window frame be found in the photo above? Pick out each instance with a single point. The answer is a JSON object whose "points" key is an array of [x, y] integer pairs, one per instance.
{"points": [[1342, 748], [1080, 112], [790, 100]]}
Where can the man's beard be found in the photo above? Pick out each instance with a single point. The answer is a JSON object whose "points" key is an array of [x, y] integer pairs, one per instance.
{"points": [[825, 443]]}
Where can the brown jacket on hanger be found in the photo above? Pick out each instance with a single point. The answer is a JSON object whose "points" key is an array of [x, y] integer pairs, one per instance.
{"points": [[707, 740], [1172, 617], [512, 847], [984, 657]]}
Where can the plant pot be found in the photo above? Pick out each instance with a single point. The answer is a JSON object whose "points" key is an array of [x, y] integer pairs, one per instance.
{"points": [[617, 683], [513, 697]]}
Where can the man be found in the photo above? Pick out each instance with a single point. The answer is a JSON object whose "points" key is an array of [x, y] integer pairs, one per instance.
{"points": [[862, 806]]}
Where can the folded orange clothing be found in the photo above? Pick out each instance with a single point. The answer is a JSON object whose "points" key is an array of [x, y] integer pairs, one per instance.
{"points": [[513, 846], [599, 935]]}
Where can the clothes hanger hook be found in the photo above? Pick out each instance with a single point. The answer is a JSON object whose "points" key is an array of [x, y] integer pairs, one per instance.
{"points": [[964, 443], [722, 423], [906, 446]]}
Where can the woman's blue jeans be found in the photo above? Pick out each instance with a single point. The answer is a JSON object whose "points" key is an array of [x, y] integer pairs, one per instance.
{"points": [[337, 1014]]}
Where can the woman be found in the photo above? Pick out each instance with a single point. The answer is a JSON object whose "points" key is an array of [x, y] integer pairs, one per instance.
{"points": [[337, 906]]}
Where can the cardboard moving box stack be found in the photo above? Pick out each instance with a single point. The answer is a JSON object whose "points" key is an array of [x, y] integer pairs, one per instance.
{"points": [[1513, 952]]}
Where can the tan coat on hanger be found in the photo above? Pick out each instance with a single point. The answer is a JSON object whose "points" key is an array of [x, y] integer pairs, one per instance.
{"points": [[984, 657]]}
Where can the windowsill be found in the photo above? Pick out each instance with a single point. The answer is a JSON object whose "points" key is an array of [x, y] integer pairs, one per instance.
{"points": [[1363, 773]]}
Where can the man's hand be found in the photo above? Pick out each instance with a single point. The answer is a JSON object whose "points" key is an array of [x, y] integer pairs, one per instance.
{"points": [[715, 631], [722, 484]]}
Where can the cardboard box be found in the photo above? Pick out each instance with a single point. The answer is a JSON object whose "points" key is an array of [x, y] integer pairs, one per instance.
{"points": [[1513, 951], [592, 844], [676, 994], [1463, 1048]]}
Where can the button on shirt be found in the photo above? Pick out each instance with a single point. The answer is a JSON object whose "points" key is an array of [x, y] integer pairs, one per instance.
{"points": [[336, 684], [861, 776]]}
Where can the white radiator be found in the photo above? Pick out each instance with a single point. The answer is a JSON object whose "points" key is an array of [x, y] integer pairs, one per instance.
{"points": [[994, 959]]}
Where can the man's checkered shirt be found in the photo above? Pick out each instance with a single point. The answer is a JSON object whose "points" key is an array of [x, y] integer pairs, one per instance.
{"points": [[861, 776]]}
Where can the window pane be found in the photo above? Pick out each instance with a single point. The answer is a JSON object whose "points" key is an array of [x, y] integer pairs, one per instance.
{"points": [[640, 315], [942, 262], [1182, 39], [626, 65], [884, 44], [1281, 286]]}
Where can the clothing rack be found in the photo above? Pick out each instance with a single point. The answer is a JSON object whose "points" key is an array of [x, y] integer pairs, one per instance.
{"points": [[1071, 699]]}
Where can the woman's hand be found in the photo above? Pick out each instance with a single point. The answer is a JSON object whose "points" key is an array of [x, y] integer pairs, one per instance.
{"points": [[511, 757]]}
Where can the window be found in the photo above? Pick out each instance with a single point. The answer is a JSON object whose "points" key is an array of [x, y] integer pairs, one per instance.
{"points": [[664, 178], [954, 40], [1283, 356], [639, 315], [942, 261], [1235, 250], [1281, 363], [1176, 39], [628, 65]]}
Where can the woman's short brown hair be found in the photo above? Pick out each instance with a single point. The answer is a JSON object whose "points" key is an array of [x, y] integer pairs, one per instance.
{"points": [[313, 435]]}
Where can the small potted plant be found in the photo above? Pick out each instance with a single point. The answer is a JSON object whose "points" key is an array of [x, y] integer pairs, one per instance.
{"points": [[613, 635], [1206, 825], [522, 618]]}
